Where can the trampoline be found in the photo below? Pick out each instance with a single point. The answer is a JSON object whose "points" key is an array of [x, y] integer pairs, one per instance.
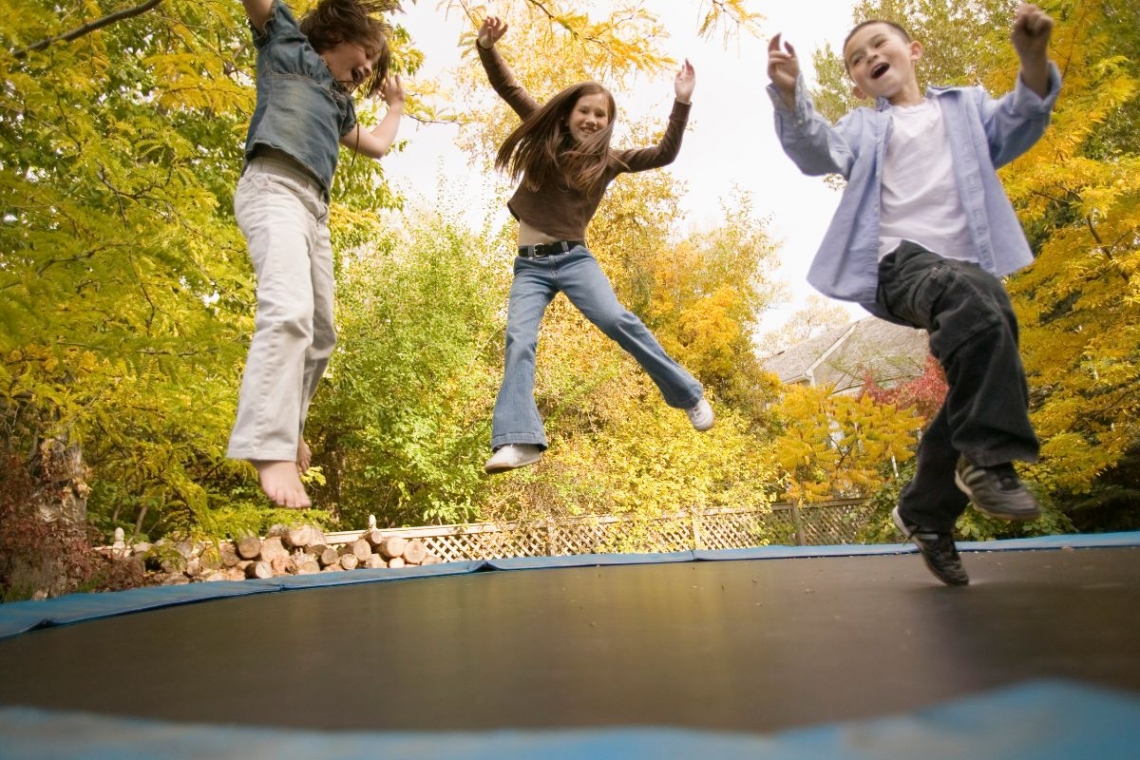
{"points": [[776, 650]]}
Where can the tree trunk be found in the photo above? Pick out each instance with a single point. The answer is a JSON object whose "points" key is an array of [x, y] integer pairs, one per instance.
{"points": [[60, 476]]}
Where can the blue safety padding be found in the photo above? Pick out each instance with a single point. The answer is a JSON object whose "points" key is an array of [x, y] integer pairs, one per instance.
{"points": [[1079, 541], [1047, 720], [1075, 541], [20, 617], [801, 552], [589, 560]]}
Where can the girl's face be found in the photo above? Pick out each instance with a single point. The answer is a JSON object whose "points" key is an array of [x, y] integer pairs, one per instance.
{"points": [[591, 114], [350, 64]]}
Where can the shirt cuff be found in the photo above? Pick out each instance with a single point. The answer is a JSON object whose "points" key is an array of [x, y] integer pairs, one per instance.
{"points": [[1026, 100]]}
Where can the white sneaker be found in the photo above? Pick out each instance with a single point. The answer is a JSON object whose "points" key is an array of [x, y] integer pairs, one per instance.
{"points": [[701, 415], [512, 456]]}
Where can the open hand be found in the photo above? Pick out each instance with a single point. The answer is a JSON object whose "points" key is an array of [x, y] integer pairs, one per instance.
{"points": [[783, 66], [685, 82], [492, 29], [392, 91]]}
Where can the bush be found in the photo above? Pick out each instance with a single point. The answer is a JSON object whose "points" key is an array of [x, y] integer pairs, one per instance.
{"points": [[39, 558]]}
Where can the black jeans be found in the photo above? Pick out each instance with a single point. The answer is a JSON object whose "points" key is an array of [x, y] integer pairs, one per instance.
{"points": [[973, 335]]}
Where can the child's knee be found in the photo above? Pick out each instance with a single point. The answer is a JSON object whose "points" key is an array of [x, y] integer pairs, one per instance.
{"points": [[615, 322]]}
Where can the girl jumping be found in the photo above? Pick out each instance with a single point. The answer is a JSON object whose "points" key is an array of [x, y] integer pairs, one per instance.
{"points": [[561, 152], [307, 73]]}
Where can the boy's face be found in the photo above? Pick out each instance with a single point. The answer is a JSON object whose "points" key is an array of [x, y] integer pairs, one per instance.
{"points": [[881, 63]]}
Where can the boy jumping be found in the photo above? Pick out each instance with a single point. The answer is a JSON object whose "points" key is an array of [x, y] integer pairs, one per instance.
{"points": [[921, 235]]}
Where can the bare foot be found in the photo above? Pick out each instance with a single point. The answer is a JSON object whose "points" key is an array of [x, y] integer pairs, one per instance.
{"points": [[304, 457], [281, 483]]}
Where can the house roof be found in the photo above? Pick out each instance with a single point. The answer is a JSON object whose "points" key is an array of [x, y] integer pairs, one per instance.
{"points": [[842, 356]]}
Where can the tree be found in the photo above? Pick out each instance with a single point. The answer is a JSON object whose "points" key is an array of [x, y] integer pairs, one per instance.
{"points": [[923, 394], [839, 446], [401, 423]]}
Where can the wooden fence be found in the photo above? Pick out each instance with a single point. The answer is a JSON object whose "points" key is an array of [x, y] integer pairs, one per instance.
{"points": [[836, 522]]}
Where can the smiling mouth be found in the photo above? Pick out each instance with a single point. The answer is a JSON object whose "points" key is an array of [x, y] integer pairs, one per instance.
{"points": [[879, 70]]}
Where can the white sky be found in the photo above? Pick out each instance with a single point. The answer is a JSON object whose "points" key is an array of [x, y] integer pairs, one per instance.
{"points": [[731, 138]]}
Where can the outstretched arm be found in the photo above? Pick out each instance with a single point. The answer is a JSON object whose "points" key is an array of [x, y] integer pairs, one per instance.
{"points": [[498, 73], [813, 143], [665, 151], [1032, 29], [375, 143], [258, 12]]}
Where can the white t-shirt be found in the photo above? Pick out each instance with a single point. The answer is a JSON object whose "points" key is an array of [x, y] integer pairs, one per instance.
{"points": [[920, 200]]}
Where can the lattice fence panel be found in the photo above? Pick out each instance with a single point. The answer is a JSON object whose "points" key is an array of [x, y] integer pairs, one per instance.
{"points": [[732, 530], [779, 527], [615, 534], [509, 541], [673, 534], [832, 525], [582, 536]]}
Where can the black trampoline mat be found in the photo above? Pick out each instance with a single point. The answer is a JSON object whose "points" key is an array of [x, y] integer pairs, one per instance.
{"points": [[757, 646]]}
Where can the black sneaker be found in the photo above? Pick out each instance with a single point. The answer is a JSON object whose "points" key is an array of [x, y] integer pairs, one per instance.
{"points": [[996, 490], [938, 551]]}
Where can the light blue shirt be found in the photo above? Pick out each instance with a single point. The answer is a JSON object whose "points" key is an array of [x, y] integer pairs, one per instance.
{"points": [[984, 133]]}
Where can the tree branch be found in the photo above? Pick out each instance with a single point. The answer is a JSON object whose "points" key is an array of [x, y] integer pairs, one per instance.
{"points": [[90, 26]]}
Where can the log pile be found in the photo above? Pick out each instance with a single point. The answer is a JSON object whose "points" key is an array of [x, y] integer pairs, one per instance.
{"points": [[297, 550]]}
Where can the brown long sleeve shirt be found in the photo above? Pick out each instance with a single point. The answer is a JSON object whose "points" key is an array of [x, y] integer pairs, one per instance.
{"points": [[558, 209]]}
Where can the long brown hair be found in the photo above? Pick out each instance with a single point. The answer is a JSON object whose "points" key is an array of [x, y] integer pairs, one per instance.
{"points": [[332, 22], [541, 149]]}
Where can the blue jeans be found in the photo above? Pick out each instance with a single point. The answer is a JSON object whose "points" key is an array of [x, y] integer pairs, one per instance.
{"points": [[973, 335], [577, 274]]}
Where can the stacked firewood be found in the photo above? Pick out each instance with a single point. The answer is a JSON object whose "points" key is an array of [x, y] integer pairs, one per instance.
{"points": [[298, 550]]}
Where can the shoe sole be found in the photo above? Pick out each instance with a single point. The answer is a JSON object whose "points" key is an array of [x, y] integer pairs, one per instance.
{"points": [[1012, 516], [496, 469], [896, 518]]}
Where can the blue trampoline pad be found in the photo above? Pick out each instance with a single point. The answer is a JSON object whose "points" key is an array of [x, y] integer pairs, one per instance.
{"points": [[1041, 720]]}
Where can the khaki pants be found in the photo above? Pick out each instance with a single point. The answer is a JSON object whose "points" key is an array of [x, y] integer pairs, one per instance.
{"points": [[283, 213]]}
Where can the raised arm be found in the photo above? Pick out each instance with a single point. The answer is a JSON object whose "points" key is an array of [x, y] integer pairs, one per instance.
{"points": [[376, 142], [258, 12], [665, 151], [498, 73], [1032, 29]]}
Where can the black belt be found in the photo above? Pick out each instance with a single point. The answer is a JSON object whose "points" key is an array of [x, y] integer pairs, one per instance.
{"points": [[549, 249]]}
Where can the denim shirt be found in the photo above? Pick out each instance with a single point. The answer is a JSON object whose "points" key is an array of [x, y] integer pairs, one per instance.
{"points": [[301, 109], [984, 133]]}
